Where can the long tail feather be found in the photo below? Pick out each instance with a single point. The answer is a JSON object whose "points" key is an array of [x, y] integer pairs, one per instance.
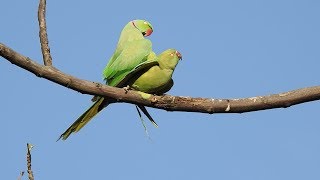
{"points": [[145, 112], [143, 123], [99, 104]]}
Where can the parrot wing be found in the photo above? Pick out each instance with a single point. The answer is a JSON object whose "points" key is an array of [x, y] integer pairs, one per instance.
{"points": [[133, 54], [128, 34], [165, 88], [141, 68]]}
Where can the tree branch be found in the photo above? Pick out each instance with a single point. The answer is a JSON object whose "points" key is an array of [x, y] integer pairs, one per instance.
{"points": [[47, 59], [167, 102]]}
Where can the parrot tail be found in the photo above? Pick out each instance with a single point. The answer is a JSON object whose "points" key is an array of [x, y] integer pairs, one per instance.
{"points": [[99, 104], [145, 112]]}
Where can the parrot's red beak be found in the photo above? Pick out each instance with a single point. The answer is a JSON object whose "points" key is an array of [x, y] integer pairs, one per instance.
{"points": [[148, 32], [179, 55]]}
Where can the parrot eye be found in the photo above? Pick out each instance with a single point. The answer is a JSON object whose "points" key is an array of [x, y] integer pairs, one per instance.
{"points": [[172, 54]]}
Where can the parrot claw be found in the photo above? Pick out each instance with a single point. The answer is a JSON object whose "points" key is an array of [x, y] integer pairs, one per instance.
{"points": [[126, 89]]}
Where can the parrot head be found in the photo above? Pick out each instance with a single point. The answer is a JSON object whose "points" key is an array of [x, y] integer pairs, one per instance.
{"points": [[143, 26], [169, 59]]}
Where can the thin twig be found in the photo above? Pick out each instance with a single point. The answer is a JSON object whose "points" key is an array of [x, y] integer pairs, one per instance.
{"points": [[47, 59], [30, 173], [167, 102], [21, 174]]}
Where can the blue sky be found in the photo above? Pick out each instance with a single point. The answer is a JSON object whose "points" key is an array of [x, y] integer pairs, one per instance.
{"points": [[231, 49]]}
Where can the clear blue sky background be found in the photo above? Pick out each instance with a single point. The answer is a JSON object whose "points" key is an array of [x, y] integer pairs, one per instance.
{"points": [[231, 49]]}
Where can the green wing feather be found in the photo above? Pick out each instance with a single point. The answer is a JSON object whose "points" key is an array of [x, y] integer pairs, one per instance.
{"points": [[135, 53], [129, 33], [165, 88], [136, 72]]}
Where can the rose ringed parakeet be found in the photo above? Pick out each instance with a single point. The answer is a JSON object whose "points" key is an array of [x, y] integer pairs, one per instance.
{"points": [[158, 78], [154, 78], [132, 50]]}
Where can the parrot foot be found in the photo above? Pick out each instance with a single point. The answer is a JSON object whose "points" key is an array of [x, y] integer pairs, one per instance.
{"points": [[126, 89], [94, 98]]}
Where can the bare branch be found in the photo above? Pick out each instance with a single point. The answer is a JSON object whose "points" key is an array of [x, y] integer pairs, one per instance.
{"points": [[30, 173], [47, 59], [167, 102]]}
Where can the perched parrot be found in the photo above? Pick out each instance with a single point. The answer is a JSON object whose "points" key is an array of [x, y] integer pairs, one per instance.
{"points": [[126, 55], [156, 79]]}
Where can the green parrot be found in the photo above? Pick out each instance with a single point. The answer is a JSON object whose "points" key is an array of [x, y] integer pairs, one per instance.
{"points": [[154, 76], [156, 79]]}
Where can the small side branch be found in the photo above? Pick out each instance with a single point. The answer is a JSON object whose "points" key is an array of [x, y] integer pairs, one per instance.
{"points": [[21, 174], [47, 59]]}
